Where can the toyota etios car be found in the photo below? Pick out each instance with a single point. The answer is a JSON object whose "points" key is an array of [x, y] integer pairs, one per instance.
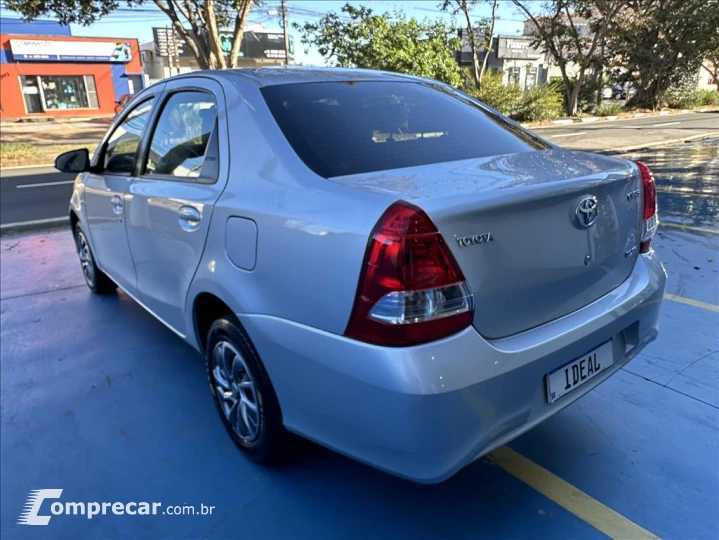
{"points": [[373, 261]]}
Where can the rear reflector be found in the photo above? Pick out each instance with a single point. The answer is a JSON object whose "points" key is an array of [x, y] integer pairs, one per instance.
{"points": [[411, 289], [649, 212]]}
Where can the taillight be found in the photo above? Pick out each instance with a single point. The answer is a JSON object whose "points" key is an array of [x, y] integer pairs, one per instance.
{"points": [[411, 289], [650, 217]]}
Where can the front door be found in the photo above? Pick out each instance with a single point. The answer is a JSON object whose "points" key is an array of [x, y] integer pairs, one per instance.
{"points": [[105, 197], [171, 201]]}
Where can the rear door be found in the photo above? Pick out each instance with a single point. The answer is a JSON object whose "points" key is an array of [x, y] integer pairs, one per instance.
{"points": [[105, 193], [171, 201]]}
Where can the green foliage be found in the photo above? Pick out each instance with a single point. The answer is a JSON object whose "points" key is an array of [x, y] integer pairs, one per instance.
{"points": [[572, 32], [504, 98], [613, 109], [662, 43], [682, 97], [708, 96], [357, 37], [540, 103], [687, 97]]}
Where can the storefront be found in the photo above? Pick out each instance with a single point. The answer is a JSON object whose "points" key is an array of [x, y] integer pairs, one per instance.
{"points": [[54, 75]]}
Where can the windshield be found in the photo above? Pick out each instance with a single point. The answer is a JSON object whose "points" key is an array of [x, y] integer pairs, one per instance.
{"points": [[342, 128]]}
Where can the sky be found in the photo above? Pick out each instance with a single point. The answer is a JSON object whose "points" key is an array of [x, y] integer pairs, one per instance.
{"points": [[138, 22]]}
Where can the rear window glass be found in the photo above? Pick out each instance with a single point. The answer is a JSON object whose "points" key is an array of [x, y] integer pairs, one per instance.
{"points": [[341, 128]]}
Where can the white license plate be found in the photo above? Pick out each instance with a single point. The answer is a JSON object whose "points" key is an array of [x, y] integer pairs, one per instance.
{"points": [[563, 380]]}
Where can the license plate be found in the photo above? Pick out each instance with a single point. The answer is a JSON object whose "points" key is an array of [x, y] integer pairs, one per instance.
{"points": [[574, 374]]}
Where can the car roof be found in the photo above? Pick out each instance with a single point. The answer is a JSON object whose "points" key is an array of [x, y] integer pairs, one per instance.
{"points": [[272, 76]]}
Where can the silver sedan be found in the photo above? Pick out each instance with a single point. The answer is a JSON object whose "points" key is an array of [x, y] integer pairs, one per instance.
{"points": [[376, 262]]}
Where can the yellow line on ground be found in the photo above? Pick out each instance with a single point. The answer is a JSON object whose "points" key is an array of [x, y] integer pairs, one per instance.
{"points": [[688, 227], [577, 502], [690, 302]]}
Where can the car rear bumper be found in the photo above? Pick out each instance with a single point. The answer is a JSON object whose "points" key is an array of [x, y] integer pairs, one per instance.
{"points": [[425, 412]]}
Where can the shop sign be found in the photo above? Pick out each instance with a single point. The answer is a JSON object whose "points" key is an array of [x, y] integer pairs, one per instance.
{"points": [[75, 51]]}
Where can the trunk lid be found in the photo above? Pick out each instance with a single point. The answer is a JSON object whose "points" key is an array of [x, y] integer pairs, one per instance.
{"points": [[512, 223]]}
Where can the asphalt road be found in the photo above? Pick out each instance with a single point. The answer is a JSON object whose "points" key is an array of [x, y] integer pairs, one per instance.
{"points": [[622, 135], [34, 195], [36, 198]]}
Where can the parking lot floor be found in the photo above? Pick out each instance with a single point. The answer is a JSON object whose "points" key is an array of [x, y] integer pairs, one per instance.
{"points": [[102, 401], [99, 399]]}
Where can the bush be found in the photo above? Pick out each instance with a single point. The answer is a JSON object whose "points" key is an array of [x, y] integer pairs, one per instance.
{"points": [[682, 97], [505, 99], [612, 109], [540, 103], [708, 96]]}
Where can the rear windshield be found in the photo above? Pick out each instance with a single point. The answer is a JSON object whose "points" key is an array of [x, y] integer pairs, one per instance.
{"points": [[340, 128]]}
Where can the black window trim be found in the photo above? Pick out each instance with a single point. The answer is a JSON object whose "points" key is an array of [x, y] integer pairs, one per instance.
{"points": [[141, 160], [100, 164]]}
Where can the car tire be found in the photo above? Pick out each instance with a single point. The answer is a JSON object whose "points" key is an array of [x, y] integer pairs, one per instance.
{"points": [[242, 392], [617, 96], [96, 279]]}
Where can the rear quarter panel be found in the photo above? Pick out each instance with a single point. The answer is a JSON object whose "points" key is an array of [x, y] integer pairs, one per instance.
{"points": [[311, 233]]}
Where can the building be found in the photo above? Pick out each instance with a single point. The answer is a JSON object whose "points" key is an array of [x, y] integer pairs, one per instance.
{"points": [[516, 58], [168, 55], [46, 72]]}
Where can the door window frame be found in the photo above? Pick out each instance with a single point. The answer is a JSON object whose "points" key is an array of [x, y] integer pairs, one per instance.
{"points": [[98, 159], [141, 160]]}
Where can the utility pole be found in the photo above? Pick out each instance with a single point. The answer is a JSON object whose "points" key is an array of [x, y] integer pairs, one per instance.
{"points": [[284, 29]]}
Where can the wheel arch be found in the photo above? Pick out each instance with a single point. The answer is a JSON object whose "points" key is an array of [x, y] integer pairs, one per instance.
{"points": [[207, 307]]}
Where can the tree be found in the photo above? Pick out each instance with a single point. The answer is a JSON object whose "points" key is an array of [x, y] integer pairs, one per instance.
{"points": [[661, 43], [571, 31], [711, 58], [487, 27], [357, 37], [711, 65], [198, 22]]}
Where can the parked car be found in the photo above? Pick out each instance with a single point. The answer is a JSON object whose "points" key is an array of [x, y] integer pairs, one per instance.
{"points": [[374, 261], [122, 102]]}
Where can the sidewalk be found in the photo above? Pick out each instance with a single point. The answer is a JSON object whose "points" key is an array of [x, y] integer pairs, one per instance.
{"points": [[38, 143]]}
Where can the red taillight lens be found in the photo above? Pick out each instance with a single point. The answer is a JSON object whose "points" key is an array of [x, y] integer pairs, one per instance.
{"points": [[411, 289], [649, 214]]}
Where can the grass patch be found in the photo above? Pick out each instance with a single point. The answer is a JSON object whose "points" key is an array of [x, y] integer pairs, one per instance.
{"points": [[17, 151], [613, 109], [27, 153]]}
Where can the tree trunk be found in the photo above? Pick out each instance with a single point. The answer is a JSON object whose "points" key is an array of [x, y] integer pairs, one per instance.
{"points": [[490, 40], [243, 11], [715, 72], [213, 37], [472, 45], [568, 90]]}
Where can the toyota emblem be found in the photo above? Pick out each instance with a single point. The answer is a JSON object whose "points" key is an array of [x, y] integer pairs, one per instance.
{"points": [[587, 211]]}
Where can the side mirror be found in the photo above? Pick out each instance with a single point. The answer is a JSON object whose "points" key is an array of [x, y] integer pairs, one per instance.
{"points": [[74, 161]]}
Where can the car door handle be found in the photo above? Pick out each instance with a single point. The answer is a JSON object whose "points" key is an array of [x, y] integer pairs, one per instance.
{"points": [[189, 217], [117, 204]]}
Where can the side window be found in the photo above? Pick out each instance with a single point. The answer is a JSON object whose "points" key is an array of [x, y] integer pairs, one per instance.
{"points": [[184, 143], [122, 145]]}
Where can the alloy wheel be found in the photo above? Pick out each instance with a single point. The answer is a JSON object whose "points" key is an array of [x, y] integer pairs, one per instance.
{"points": [[235, 390], [83, 250]]}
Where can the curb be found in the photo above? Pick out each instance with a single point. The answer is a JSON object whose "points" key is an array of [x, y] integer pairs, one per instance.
{"points": [[564, 121], [669, 142], [21, 167]]}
